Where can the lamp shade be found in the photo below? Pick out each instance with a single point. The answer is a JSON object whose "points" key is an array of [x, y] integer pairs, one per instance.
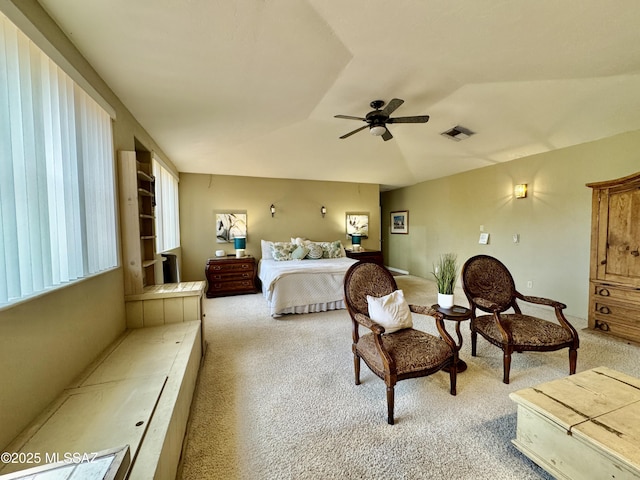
{"points": [[356, 239], [240, 242]]}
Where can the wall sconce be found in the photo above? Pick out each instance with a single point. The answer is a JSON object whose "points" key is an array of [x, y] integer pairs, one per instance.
{"points": [[272, 208], [323, 211], [520, 190]]}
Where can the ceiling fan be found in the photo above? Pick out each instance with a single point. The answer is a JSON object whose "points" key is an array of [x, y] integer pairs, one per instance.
{"points": [[377, 119]]}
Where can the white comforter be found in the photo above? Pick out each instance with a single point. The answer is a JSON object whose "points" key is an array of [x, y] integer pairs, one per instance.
{"points": [[301, 286]]}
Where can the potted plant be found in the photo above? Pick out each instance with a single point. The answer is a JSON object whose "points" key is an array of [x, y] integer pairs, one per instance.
{"points": [[445, 272]]}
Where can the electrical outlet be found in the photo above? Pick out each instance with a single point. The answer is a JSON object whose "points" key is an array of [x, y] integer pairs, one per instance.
{"points": [[530, 284]]}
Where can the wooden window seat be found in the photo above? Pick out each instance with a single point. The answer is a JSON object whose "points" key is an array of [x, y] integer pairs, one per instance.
{"points": [[137, 393]]}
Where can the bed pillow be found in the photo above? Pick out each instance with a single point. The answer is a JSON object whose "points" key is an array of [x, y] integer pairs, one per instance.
{"points": [[266, 249], [281, 251], [315, 251], [331, 249], [300, 241], [299, 253], [391, 311]]}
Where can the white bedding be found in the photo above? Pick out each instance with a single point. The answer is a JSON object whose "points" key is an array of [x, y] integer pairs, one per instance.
{"points": [[303, 286]]}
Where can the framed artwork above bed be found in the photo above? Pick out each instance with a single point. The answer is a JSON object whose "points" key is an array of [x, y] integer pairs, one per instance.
{"points": [[230, 225], [357, 223]]}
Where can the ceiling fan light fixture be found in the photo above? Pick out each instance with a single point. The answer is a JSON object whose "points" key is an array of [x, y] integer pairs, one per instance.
{"points": [[457, 133], [377, 130]]}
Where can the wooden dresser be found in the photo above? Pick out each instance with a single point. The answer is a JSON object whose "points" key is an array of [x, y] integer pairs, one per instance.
{"points": [[614, 276], [373, 256], [231, 276]]}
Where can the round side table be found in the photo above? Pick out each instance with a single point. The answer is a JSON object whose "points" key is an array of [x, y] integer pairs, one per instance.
{"points": [[456, 314]]}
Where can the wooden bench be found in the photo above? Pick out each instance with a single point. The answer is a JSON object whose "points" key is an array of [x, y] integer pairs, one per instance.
{"points": [[138, 393], [582, 426]]}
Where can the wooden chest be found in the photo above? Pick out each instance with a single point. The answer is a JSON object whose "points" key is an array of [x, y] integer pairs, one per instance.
{"points": [[231, 276], [582, 426]]}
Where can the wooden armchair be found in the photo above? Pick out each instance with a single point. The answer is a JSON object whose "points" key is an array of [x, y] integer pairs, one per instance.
{"points": [[406, 353], [489, 287]]}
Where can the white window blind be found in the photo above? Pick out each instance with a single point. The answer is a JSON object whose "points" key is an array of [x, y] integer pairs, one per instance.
{"points": [[167, 208], [57, 186]]}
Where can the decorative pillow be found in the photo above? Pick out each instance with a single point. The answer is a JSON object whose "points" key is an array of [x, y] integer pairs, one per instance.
{"points": [[331, 249], [391, 311], [281, 251], [266, 249], [300, 241], [299, 253], [315, 251]]}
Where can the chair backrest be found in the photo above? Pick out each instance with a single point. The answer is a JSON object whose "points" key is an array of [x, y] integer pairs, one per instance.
{"points": [[487, 277], [366, 278]]}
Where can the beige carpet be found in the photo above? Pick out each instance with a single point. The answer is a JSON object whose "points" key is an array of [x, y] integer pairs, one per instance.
{"points": [[276, 400]]}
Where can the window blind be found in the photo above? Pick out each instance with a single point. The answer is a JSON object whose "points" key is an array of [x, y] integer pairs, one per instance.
{"points": [[167, 208], [57, 182]]}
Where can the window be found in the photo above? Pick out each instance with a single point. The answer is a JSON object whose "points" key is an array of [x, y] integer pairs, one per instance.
{"points": [[57, 185], [167, 216]]}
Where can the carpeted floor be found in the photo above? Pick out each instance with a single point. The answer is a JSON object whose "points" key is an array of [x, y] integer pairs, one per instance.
{"points": [[276, 399]]}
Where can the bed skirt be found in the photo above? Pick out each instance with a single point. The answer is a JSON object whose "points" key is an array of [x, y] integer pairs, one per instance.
{"points": [[313, 308]]}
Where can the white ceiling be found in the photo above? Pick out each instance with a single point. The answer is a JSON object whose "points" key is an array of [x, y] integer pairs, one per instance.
{"points": [[251, 87]]}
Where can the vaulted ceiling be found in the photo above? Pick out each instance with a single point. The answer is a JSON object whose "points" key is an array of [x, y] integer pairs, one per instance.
{"points": [[251, 87]]}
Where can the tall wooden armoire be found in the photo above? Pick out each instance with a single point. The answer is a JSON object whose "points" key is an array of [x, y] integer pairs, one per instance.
{"points": [[614, 295]]}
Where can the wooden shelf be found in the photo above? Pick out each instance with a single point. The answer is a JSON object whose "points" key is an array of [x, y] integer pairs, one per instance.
{"points": [[145, 176], [137, 202]]}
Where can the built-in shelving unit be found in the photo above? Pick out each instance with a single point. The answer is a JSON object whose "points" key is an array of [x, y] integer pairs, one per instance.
{"points": [[137, 203]]}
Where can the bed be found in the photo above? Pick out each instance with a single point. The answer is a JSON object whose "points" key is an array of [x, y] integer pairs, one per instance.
{"points": [[303, 285]]}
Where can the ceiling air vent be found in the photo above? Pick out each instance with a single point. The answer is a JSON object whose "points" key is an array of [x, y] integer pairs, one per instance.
{"points": [[457, 133]]}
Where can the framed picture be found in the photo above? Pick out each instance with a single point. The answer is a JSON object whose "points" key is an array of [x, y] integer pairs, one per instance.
{"points": [[357, 223], [230, 226], [400, 221]]}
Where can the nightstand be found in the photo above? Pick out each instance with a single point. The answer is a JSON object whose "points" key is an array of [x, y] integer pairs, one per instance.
{"points": [[231, 276], [373, 256]]}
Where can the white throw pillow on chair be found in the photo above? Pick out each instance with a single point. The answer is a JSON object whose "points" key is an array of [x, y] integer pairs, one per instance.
{"points": [[391, 311]]}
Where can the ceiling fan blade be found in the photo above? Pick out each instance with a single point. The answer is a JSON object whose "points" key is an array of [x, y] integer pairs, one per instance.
{"points": [[355, 131], [349, 117], [391, 106], [387, 135], [416, 119]]}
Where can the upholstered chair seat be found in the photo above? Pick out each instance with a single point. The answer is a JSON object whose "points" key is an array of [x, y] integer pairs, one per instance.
{"points": [[526, 331], [411, 350]]}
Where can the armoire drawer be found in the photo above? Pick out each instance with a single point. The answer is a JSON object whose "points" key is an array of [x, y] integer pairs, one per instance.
{"points": [[603, 292]]}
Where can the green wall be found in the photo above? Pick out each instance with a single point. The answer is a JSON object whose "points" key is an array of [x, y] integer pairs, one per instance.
{"points": [[553, 222], [297, 205]]}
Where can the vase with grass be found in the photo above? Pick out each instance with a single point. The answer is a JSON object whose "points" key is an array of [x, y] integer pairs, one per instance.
{"points": [[445, 271]]}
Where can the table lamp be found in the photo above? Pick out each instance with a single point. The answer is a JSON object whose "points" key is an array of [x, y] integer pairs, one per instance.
{"points": [[240, 243], [356, 240]]}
